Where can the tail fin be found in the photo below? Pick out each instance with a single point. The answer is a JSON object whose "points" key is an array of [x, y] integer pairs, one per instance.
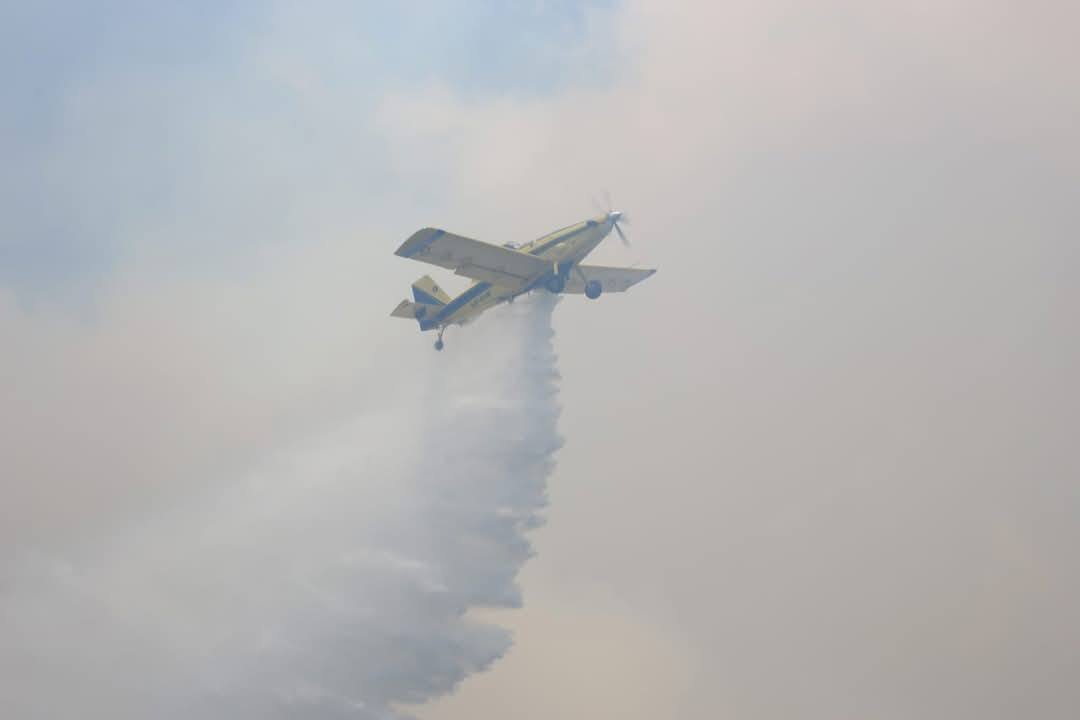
{"points": [[430, 299], [426, 292]]}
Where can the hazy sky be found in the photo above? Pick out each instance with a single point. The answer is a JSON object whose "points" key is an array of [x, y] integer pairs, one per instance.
{"points": [[822, 465]]}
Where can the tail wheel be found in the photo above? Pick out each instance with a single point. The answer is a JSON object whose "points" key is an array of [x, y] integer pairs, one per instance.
{"points": [[439, 344], [593, 288]]}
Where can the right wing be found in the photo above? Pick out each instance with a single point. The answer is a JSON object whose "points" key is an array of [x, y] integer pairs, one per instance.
{"points": [[611, 279], [472, 258]]}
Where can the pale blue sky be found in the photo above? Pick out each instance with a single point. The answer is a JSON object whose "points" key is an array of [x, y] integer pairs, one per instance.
{"points": [[135, 91]]}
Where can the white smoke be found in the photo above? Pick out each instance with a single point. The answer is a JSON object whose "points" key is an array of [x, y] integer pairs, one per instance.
{"points": [[332, 581]]}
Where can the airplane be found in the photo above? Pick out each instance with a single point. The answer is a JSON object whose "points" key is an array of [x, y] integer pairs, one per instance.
{"points": [[552, 263]]}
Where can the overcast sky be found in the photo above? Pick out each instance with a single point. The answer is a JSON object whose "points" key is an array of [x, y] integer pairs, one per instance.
{"points": [[823, 464]]}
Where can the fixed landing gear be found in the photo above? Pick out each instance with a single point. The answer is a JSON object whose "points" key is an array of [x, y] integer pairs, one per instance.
{"points": [[555, 284], [439, 344]]}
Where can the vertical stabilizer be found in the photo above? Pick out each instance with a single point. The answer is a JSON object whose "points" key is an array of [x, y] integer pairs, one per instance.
{"points": [[426, 292]]}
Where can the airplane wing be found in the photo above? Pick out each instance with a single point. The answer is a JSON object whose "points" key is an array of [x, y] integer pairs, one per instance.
{"points": [[472, 258], [611, 279]]}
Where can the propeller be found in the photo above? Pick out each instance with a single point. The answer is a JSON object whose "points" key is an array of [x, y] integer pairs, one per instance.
{"points": [[614, 217], [618, 230]]}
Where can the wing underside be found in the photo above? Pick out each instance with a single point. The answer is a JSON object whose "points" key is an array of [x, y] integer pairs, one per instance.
{"points": [[473, 259], [611, 279]]}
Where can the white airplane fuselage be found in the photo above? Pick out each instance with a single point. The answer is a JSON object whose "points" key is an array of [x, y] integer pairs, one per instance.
{"points": [[564, 249]]}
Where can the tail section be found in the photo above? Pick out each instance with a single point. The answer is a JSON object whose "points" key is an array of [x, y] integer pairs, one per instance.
{"points": [[425, 291], [430, 299], [409, 310]]}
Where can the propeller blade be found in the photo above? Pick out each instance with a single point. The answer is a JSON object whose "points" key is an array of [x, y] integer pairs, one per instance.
{"points": [[621, 235]]}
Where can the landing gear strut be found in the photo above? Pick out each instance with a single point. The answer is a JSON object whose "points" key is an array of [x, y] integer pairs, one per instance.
{"points": [[555, 284]]}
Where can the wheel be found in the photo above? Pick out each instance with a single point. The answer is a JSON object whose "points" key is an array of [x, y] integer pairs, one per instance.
{"points": [[555, 284], [439, 344], [593, 288]]}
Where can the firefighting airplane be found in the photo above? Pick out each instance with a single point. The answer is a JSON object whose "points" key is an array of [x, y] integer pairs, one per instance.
{"points": [[501, 273]]}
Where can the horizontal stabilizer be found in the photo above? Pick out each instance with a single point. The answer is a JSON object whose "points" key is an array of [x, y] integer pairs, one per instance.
{"points": [[413, 311]]}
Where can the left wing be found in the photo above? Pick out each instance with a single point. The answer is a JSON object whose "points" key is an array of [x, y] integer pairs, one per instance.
{"points": [[611, 279], [472, 258]]}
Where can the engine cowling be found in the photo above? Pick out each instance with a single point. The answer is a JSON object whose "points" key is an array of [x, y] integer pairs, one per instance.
{"points": [[593, 288]]}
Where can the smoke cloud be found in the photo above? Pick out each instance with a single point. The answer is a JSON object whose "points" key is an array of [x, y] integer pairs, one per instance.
{"points": [[334, 579]]}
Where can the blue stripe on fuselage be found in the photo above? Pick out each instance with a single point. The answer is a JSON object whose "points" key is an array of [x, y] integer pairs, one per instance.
{"points": [[461, 300]]}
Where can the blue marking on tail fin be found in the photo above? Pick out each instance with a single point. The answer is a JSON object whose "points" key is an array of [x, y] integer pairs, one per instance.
{"points": [[422, 297]]}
